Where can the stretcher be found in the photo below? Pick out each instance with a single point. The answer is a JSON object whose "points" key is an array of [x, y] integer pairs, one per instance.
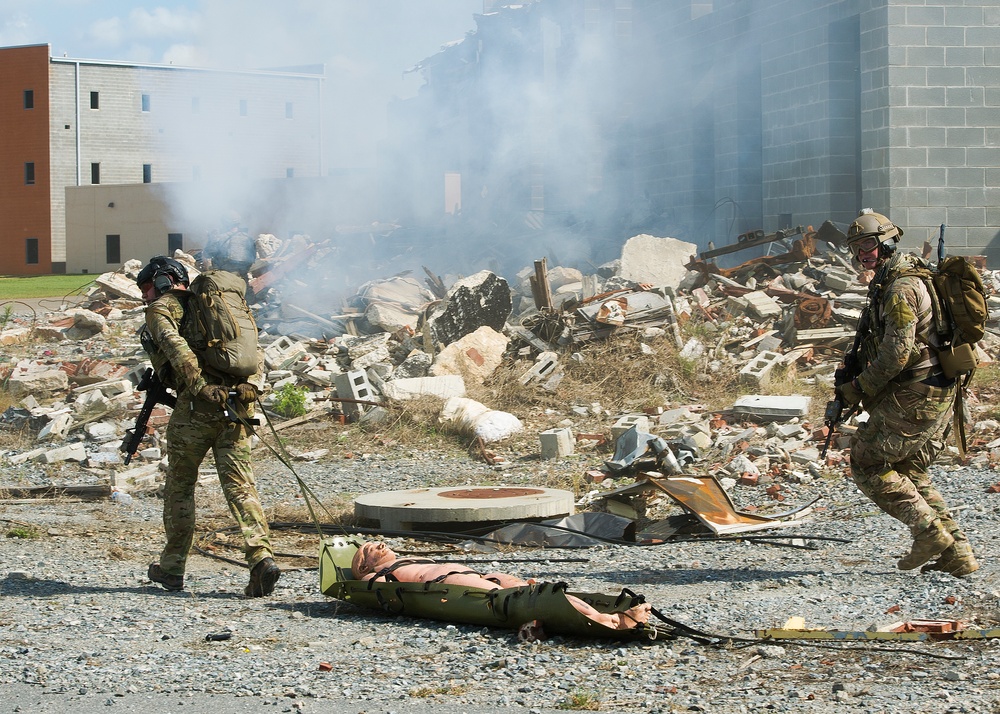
{"points": [[509, 608]]}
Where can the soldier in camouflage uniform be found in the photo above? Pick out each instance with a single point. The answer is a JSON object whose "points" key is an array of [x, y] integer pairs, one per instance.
{"points": [[198, 423], [908, 398]]}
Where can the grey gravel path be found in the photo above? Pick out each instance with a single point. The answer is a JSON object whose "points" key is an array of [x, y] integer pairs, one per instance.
{"points": [[82, 629]]}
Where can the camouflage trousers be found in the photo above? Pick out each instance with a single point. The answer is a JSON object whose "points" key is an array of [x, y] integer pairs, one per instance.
{"points": [[890, 455], [196, 426]]}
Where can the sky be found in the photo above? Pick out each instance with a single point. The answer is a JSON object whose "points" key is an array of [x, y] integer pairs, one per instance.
{"points": [[366, 45]]}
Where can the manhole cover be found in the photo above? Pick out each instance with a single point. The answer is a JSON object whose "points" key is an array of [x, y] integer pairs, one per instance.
{"points": [[504, 492]]}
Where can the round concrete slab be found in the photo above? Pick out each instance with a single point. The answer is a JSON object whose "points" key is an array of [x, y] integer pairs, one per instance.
{"points": [[425, 508]]}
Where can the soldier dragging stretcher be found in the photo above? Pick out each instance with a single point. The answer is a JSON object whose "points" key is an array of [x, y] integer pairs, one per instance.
{"points": [[199, 423], [900, 383], [376, 561]]}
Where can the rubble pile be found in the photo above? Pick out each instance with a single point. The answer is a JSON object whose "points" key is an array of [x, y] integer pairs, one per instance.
{"points": [[73, 387]]}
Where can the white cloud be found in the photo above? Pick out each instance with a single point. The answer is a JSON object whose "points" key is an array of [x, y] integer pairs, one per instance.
{"points": [[15, 29], [162, 22], [107, 32]]}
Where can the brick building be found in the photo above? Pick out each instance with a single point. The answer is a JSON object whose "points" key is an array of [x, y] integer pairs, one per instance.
{"points": [[78, 128]]}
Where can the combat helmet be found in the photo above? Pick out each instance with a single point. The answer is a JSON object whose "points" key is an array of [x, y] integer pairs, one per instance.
{"points": [[159, 272], [871, 229]]}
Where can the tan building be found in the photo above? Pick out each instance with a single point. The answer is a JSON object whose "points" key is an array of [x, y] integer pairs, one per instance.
{"points": [[143, 156]]}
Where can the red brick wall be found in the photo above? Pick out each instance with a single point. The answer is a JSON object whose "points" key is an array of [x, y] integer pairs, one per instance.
{"points": [[24, 210]]}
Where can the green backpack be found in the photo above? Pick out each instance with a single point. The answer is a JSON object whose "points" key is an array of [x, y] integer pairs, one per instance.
{"points": [[222, 330]]}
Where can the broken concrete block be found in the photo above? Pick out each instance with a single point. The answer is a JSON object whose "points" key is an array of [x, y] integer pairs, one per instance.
{"points": [[474, 356], [762, 305], [57, 427], [639, 421], [556, 443], [103, 458], [283, 353], [69, 452], [86, 324], [381, 354], [838, 280], [445, 386], [654, 260], [757, 372], [13, 335], [771, 408], [545, 365], [394, 303], [480, 299], [37, 383], [416, 364]]}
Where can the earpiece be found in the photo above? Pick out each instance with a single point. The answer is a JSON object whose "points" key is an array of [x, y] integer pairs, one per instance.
{"points": [[162, 283]]}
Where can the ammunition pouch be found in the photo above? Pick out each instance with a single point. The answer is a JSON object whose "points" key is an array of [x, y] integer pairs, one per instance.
{"points": [[958, 359]]}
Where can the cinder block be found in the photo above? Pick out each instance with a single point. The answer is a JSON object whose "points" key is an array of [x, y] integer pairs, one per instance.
{"points": [[639, 421], [353, 385], [757, 371], [762, 305], [545, 365], [283, 353], [556, 443]]}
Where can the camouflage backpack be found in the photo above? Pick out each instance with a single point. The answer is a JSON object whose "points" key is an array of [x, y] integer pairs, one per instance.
{"points": [[221, 328]]}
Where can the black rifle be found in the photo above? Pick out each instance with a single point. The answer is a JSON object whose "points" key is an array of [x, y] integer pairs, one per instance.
{"points": [[156, 393], [850, 369]]}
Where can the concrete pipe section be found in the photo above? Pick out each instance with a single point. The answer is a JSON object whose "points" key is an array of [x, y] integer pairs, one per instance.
{"points": [[459, 508]]}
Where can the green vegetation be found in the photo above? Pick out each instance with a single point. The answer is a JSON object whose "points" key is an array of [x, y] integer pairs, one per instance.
{"points": [[25, 531], [290, 401], [580, 700], [42, 286]]}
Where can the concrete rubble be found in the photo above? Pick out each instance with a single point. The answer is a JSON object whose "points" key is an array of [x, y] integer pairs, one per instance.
{"points": [[396, 340]]}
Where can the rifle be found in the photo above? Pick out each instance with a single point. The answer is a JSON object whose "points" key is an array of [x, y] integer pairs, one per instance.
{"points": [[850, 369], [156, 393]]}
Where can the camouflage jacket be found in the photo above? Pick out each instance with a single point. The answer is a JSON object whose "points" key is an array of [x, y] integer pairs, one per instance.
{"points": [[901, 344], [170, 353]]}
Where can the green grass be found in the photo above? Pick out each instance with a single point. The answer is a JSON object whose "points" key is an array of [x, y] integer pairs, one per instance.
{"points": [[42, 286]]}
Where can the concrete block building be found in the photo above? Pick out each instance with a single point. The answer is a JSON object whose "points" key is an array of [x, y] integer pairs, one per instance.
{"points": [[76, 128], [561, 122]]}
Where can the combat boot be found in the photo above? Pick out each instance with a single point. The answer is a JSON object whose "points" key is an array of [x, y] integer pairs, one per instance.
{"points": [[956, 560], [168, 581], [262, 578], [927, 544]]}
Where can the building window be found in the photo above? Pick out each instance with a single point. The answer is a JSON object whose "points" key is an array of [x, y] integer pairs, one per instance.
{"points": [[95, 100], [95, 173], [29, 173], [29, 98], [175, 241], [195, 105], [147, 173], [113, 249], [145, 102], [243, 107], [31, 251], [289, 173], [288, 110]]}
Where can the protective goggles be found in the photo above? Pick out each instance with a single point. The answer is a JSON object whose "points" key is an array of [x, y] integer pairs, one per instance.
{"points": [[865, 245]]}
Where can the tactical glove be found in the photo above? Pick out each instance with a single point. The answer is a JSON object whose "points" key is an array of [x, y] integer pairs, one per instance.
{"points": [[246, 393], [850, 393], [214, 393]]}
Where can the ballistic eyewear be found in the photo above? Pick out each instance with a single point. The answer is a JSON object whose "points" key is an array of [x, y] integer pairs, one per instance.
{"points": [[865, 245]]}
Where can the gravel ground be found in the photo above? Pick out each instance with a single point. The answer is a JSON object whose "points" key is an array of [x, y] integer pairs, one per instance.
{"points": [[81, 627]]}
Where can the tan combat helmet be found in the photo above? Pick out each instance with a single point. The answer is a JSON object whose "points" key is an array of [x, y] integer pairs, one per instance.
{"points": [[870, 225]]}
